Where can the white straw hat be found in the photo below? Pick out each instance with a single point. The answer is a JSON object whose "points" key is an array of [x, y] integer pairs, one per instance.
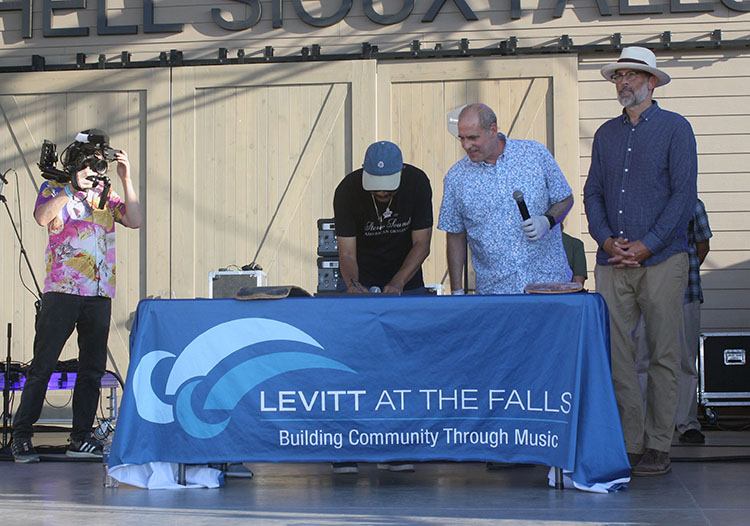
{"points": [[638, 58]]}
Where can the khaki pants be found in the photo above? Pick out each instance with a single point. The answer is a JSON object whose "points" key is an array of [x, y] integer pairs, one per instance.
{"points": [[687, 405], [655, 292]]}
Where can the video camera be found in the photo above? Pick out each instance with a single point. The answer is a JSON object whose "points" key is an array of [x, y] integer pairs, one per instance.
{"points": [[90, 149]]}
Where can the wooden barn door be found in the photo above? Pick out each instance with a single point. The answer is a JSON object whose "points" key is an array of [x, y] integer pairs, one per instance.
{"points": [[258, 151]]}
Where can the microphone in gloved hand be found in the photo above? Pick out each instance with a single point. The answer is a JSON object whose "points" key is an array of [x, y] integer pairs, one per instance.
{"points": [[518, 196], [534, 227]]}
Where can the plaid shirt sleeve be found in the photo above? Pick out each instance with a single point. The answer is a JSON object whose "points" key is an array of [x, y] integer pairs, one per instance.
{"points": [[701, 228], [698, 232]]}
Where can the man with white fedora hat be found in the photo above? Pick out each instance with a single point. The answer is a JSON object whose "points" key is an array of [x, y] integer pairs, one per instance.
{"points": [[639, 197], [638, 59]]}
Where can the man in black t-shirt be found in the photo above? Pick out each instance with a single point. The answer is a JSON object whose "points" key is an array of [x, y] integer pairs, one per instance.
{"points": [[383, 217]]}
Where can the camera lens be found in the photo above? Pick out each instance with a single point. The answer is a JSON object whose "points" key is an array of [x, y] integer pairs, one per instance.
{"points": [[100, 166]]}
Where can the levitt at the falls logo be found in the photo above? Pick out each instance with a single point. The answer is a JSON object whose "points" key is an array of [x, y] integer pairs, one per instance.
{"points": [[201, 356], [205, 384]]}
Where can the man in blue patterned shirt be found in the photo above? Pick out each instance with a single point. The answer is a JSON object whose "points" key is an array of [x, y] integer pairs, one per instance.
{"points": [[639, 197], [478, 205]]}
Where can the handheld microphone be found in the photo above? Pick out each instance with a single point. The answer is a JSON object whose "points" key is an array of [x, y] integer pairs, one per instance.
{"points": [[518, 196]]}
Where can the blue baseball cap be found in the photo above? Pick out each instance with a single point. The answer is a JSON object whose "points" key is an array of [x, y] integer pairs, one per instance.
{"points": [[382, 168]]}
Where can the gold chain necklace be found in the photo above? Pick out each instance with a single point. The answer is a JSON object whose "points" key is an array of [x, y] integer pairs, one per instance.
{"points": [[386, 213]]}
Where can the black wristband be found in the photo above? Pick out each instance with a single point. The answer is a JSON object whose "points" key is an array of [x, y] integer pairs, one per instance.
{"points": [[551, 220]]}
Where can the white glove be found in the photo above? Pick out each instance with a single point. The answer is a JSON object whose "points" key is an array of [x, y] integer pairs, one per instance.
{"points": [[535, 227]]}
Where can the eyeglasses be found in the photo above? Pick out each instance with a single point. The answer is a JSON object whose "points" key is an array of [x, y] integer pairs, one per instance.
{"points": [[629, 76]]}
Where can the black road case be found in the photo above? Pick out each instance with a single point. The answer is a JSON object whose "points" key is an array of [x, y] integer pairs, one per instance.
{"points": [[724, 371]]}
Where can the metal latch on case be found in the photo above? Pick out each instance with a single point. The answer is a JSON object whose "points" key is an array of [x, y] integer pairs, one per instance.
{"points": [[734, 356]]}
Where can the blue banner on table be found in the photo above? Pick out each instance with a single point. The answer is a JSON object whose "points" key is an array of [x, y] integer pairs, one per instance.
{"points": [[489, 378]]}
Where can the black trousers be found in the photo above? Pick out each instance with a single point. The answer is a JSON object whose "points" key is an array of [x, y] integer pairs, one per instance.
{"points": [[60, 314]]}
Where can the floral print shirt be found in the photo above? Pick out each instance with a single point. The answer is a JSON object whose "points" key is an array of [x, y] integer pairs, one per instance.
{"points": [[80, 256], [478, 200]]}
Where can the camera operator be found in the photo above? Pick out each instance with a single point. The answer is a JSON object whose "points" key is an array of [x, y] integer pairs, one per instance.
{"points": [[78, 289]]}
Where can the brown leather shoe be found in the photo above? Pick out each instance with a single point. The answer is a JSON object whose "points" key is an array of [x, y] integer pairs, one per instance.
{"points": [[634, 458], [653, 463]]}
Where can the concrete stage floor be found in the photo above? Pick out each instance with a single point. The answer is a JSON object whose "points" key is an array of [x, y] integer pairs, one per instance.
{"points": [[708, 485]]}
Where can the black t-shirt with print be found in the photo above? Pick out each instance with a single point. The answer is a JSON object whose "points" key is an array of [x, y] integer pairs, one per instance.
{"points": [[383, 242]]}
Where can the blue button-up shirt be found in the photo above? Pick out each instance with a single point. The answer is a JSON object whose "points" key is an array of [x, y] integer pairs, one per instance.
{"points": [[642, 184]]}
